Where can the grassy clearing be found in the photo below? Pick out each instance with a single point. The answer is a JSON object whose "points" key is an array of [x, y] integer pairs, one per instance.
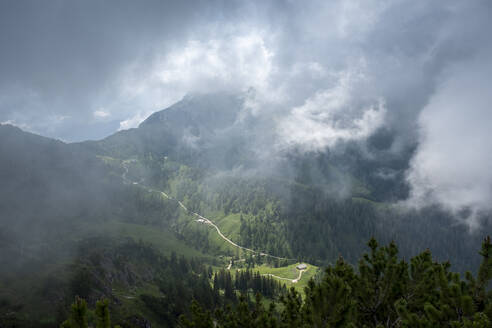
{"points": [[291, 273], [164, 240], [229, 225], [218, 245]]}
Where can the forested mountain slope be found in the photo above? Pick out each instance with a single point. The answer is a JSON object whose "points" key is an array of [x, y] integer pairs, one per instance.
{"points": [[209, 151], [54, 199], [74, 217]]}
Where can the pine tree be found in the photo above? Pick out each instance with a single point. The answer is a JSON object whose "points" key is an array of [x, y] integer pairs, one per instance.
{"points": [[331, 303], [78, 315], [199, 318], [102, 314]]}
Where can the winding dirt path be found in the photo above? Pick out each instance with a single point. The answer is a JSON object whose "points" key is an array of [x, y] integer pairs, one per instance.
{"points": [[200, 217], [294, 281], [282, 278], [300, 276]]}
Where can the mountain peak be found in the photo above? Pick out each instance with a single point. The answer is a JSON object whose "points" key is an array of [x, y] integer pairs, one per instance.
{"points": [[211, 110]]}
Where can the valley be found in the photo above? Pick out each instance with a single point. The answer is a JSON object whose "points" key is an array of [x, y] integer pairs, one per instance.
{"points": [[203, 220], [142, 217], [245, 164]]}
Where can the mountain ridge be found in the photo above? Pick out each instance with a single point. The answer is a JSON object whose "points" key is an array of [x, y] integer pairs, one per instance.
{"points": [[56, 195]]}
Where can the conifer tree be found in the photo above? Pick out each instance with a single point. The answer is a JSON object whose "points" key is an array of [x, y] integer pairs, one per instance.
{"points": [[102, 314], [78, 315]]}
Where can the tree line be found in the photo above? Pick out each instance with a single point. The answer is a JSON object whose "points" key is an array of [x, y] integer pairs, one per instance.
{"points": [[382, 291]]}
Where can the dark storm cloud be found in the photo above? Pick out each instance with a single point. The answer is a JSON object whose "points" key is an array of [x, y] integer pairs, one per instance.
{"points": [[60, 60], [324, 72]]}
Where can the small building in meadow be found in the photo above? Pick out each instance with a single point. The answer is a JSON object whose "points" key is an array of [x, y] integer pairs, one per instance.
{"points": [[301, 266]]}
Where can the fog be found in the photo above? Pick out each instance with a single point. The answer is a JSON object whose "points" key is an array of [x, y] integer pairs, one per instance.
{"points": [[451, 165], [320, 75]]}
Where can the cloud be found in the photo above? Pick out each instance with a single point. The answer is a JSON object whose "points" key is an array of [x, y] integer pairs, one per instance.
{"points": [[332, 116], [22, 126], [323, 72], [235, 63], [133, 121], [101, 114], [132, 59], [72, 56], [452, 163]]}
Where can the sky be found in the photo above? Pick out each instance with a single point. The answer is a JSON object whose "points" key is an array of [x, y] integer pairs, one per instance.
{"points": [[326, 71]]}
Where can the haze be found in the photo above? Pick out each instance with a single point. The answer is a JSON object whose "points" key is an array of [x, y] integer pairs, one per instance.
{"points": [[323, 73]]}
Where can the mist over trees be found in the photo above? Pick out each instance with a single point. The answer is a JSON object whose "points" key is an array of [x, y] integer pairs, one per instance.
{"points": [[224, 163], [383, 291], [59, 200]]}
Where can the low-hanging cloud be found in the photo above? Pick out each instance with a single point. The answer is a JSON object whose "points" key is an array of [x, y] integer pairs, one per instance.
{"points": [[235, 63], [331, 116], [323, 72], [452, 163]]}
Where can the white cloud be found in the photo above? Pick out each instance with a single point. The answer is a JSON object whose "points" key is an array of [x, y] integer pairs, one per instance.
{"points": [[227, 63], [332, 115], [300, 58], [234, 62], [453, 161], [22, 126], [101, 114], [134, 121]]}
